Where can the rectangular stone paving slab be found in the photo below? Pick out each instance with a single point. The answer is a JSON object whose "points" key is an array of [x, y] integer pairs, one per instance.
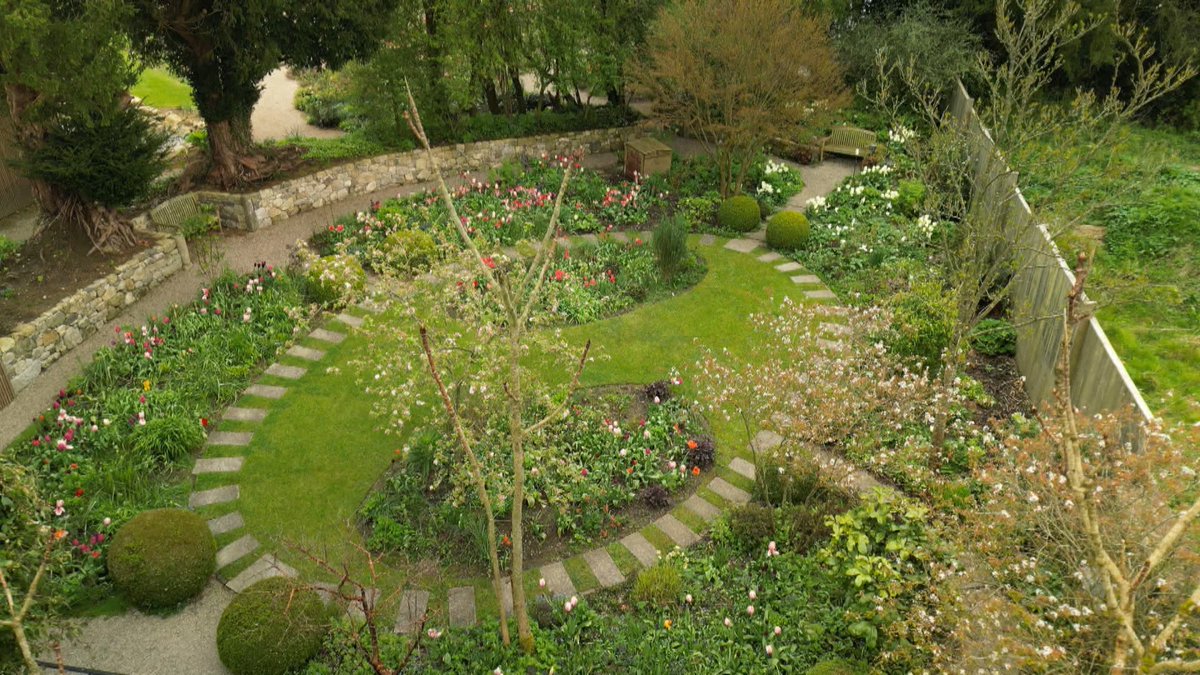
{"points": [[602, 565], [641, 548], [766, 440], [590, 238], [789, 267], [236, 550], [306, 353], [742, 467], [558, 582], [677, 531], [620, 236], [266, 391], [226, 523], [829, 345], [413, 605], [219, 495], [350, 320], [230, 438], [462, 607], [327, 336], [245, 414], [699, 506], [708, 240], [836, 328], [757, 235], [286, 372], [822, 294], [563, 242], [218, 465], [741, 245], [264, 568], [506, 595], [807, 280], [770, 256], [728, 491]]}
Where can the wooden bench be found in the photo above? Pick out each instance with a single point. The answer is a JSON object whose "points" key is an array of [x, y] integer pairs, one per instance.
{"points": [[173, 213], [848, 141]]}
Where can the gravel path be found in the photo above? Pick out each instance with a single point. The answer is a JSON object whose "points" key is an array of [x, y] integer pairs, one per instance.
{"points": [[275, 116]]}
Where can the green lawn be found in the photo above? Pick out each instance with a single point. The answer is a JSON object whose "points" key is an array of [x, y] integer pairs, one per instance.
{"points": [[318, 453], [158, 88], [1146, 275]]}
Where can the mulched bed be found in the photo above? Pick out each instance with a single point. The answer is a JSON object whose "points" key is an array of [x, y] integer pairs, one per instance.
{"points": [[1002, 381], [49, 268]]}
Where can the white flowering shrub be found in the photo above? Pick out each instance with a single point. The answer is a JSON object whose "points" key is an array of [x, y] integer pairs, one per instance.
{"points": [[334, 280]]}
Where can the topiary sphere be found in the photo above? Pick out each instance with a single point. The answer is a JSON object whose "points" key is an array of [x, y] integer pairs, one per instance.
{"points": [[787, 230], [273, 626], [162, 558], [739, 214]]}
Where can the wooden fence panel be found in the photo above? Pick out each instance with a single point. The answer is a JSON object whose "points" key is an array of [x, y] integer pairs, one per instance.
{"points": [[1042, 279]]}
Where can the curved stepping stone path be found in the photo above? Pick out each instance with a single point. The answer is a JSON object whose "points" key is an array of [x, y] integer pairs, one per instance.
{"points": [[461, 603], [728, 491], [681, 534], [413, 605], [769, 257], [228, 524], [641, 548], [741, 245], [601, 564], [703, 508], [558, 582], [708, 240]]}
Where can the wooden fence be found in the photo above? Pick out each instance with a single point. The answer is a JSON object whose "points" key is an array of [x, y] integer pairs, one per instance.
{"points": [[14, 189], [1099, 381]]}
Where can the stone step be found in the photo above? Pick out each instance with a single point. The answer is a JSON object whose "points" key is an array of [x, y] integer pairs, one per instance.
{"points": [[602, 565], [641, 548], [350, 320], [830, 345], [264, 568], [354, 609], [266, 391], [413, 605], [590, 238], [286, 372], [619, 236], [234, 438], [371, 306], [822, 294], [461, 602], [506, 595], [219, 495], [728, 491], [678, 532], [757, 235], [245, 414], [702, 508], [218, 465], [789, 267], [766, 440], [770, 256], [564, 242], [836, 328], [327, 336], [806, 280], [742, 467], [558, 582], [741, 245], [226, 523], [708, 240], [306, 353], [236, 550]]}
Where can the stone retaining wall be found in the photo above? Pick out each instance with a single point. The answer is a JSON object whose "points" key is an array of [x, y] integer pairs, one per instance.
{"points": [[34, 345], [317, 190]]}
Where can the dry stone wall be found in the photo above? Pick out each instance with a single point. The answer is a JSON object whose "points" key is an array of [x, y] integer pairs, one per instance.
{"points": [[34, 345]]}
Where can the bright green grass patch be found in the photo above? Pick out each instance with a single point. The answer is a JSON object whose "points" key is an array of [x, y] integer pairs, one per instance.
{"points": [[158, 88], [581, 575], [319, 452], [625, 561]]}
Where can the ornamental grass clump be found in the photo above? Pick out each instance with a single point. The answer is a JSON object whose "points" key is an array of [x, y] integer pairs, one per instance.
{"points": [[658, 586]]}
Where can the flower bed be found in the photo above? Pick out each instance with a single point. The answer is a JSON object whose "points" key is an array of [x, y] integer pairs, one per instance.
{"points": [[618, 451], [113, 439]]}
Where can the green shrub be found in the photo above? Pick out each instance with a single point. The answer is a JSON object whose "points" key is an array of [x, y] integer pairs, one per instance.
{"points": [[751, 526], [408, 251], [110, 159], [322, 98], [272, 627], [657, 586], [161, 558], [994, 337], [787, 230], [670, 246], [838, 667], [911, 197], [336, 280], [923, 318], [699, 212], [8, 248], [739, 214]]}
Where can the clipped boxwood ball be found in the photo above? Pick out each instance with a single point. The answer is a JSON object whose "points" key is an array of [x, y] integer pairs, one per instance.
{"points": [[162, 558], [787, 230], [739, 214], [273, 626]]}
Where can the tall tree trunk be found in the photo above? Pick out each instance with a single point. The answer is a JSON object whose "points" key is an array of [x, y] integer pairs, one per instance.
{"points": [[518, 90], [516, 435], [433, 59], [224, 151], [489, 94]]}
